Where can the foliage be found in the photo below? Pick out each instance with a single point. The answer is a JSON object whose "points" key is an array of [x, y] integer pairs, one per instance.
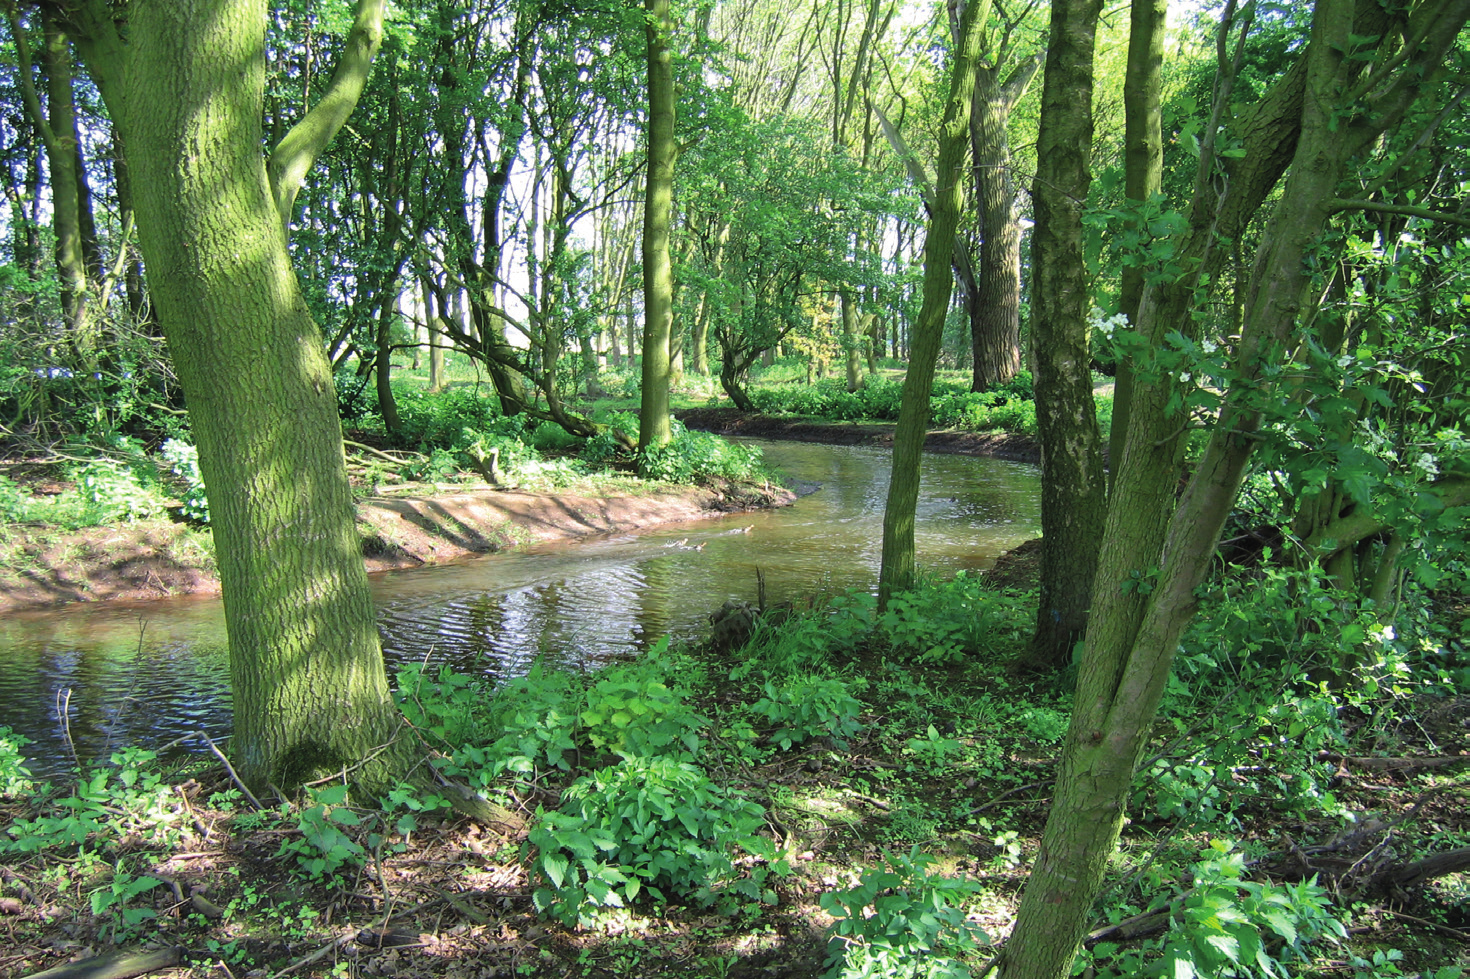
{"points": [[949, 621], [1218, 927], [1009, 407], [15, 778], [183, 459], [655, 826], [804, 707], [324, 848], [811, 640], [115, 896], [105, 806], [111, 492], [916, 928], [639, 716], [699, 457]]}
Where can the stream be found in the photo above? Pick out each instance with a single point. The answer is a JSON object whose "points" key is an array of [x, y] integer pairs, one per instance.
{"points": [[102, 676]]}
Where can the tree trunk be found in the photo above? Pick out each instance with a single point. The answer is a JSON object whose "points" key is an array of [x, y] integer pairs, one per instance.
{"points": [[897, 570], [995, 314], [658, 275], [310, 692], [1072, 490], [1143, 169], [852, 341], [1131, 642]]}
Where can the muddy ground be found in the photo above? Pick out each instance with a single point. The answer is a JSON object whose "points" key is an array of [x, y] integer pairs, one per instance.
{"points": [[159, 558]]}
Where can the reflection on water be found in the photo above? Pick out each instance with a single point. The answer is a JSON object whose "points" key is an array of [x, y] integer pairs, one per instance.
{"points": [[150, 673]]}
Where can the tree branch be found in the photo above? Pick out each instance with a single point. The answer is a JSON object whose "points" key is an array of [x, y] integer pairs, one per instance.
{"points": [[300, 147], [1427, 213]]}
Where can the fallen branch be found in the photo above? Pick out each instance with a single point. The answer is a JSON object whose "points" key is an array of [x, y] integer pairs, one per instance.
{"points": [[397, 460], [115, 966]]}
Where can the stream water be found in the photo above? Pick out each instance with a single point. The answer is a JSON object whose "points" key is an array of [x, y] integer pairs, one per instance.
{"points": [[98, 677]]}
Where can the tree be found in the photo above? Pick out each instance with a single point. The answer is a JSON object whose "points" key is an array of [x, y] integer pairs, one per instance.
{"points": [[993, 293], [1072, 490], [897, 569], [184, 81], [1359, 75], [658, 274]]}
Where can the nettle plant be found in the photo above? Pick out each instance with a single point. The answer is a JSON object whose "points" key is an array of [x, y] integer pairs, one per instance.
{"points": [[902, 921], [1228, 925], [805, 707], [648, 827]]}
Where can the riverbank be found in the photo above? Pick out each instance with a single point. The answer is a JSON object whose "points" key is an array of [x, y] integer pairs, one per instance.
{"points": [[732, 421], [159, 558]]}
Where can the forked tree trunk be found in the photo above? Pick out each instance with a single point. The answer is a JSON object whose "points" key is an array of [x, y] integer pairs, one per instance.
{"points": [[1131, 643], [310, 692]]}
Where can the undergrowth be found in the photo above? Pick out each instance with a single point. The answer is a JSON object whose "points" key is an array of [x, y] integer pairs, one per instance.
{"points": [[867, 787]]}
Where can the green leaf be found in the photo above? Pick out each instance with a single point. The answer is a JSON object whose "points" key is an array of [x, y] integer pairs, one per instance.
{"points": [[555, 865]]}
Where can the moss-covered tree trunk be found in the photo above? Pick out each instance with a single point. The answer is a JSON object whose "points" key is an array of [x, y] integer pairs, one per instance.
{"points": [[1131, 639], [1072, 490], [1143, 171], [310, 693], [896, 572], [658, 274]]}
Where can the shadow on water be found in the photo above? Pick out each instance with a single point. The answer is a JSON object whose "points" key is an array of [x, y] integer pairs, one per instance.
{"points": [[150, 673]]}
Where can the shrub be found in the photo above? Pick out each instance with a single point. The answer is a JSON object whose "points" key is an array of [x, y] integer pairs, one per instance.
{"points": [[639, 716], [655, 826], [183, 459], [916, 928], [698, 457], [111, 491], [803, 708], [947, 621], [15, 778], [1218, 926]]}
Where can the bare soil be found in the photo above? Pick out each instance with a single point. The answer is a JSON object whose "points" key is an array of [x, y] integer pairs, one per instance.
{"points": [[158, 558]]}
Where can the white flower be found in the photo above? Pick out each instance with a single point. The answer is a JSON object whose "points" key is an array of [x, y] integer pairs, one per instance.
{"points": [[1428, 464], [1185, 378], [1344, 360], [1210, 346]]}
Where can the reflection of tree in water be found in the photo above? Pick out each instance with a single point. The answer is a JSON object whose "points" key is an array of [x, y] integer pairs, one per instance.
{"points": [[650, 601]]}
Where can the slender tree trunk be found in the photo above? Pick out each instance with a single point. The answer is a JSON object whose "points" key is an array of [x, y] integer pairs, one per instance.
{"points": [[1072, 488], [1143, 169], [897, 569], [852, 341], [658, 276]]}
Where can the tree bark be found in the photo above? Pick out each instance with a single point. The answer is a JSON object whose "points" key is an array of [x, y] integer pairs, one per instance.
{"points": [[1131, 643], [1072, 489], [995, 312], [896, 572], [654, 428], [310, 691], [1143, 171]]}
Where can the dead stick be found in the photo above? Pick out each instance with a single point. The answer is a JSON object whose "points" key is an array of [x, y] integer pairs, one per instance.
{"points": [[115, 966], [231, 769]]}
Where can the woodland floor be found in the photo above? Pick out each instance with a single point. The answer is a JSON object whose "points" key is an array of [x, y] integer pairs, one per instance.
{"points": [[455, 903]]}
